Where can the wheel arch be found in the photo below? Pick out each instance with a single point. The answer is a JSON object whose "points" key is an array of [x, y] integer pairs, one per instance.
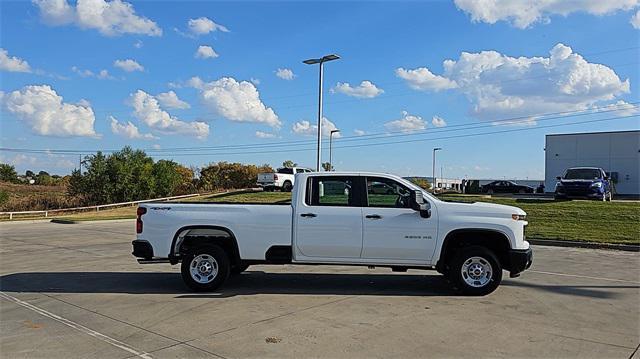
{"points": [[493, 239], [204, 234]]}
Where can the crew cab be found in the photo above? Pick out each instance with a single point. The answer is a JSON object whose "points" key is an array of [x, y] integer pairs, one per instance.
{"points": [[584, 182], [283, 179], [339, 218]]}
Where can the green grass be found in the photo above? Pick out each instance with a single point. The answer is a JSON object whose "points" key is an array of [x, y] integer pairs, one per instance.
{"points": [[592, 221]]}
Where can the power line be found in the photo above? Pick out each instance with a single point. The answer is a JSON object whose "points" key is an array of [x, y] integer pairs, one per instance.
{"points": [[373, 136], [373, 144]]}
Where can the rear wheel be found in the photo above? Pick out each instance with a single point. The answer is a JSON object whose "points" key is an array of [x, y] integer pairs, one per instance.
{"points": [[287, 186], [205, 268], [475, 270]]}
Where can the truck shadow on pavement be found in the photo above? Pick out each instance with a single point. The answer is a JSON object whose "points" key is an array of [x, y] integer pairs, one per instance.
{"points": [[258, 282], [247, 283]]}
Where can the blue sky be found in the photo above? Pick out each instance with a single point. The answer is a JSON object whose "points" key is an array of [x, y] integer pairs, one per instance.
{"points": [[74, 80]]}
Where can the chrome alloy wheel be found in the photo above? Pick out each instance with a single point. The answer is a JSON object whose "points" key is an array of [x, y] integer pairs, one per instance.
{"points": [[203, 268], [476, 272]]}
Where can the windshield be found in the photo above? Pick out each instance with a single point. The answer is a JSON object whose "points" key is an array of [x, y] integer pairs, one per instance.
{"points": [[583, 173]]}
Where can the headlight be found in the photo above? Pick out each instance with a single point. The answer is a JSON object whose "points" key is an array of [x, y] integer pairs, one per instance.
{"points": [[596, 185], [519, 217]]}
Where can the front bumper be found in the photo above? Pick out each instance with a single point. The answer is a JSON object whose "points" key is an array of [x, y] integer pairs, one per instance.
{"points": [[519, 261], [142, 249]]}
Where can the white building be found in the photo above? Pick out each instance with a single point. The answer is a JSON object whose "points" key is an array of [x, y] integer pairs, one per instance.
{"points": [[618, 153]]}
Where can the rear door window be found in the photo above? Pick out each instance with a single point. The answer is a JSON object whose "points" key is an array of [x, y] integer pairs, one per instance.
{"points": [[340, 191]]}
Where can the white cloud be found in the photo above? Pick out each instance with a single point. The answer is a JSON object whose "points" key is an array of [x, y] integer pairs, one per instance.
{"points": [[205, 52], [438, 121], [366, 89], [12, 63], [102, 74], [523, 14], [138, 44], [305, 127], [358, 132], [235, 101], [255, 81], [147, 109], [204, 25], [635, 20], [408, 123], [110, 18], [128, 130], [285, 74], [499, 86], [620, 108], [261, 134], [128, 65], [41, 108], [422, 79], [171, 100], [156, 146]]}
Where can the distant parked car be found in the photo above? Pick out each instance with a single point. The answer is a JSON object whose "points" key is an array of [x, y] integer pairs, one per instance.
{"points": [[506, 187], [381, 188], [584, 182]]}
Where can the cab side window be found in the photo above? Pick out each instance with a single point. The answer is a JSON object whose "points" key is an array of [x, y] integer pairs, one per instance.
{"points": [[332, 191], [384, 192]]}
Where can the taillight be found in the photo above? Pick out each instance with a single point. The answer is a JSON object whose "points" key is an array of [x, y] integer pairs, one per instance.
{"points": [[275, 177], [139, 213]]}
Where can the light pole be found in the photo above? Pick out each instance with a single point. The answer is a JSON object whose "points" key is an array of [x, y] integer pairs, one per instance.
{"points": [[433, 172], [331, 148], [320, 61]]}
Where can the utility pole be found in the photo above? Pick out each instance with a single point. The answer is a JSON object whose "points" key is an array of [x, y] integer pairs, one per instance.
{"points": [[320, 61], [433, 169], [331, 148]]}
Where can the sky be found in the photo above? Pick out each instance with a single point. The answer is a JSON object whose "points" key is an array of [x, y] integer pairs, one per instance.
{"points": [[201, 82]]}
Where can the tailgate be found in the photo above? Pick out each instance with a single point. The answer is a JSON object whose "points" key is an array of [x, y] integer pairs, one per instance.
{"points": [[265, 178]]}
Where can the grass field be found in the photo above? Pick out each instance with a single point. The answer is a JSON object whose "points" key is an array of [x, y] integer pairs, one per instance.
{"points": [[593, 221]]}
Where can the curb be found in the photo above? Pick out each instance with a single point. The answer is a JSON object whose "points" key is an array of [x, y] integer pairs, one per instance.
{"points": [[63, 221], [590, 245]]}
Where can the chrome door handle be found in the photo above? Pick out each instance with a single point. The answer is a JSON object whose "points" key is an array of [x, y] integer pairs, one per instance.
{"points": [[373, 216], [308, 215]]}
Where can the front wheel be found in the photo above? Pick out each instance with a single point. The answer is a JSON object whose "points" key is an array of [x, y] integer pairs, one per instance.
{"points": [[475, 271], [205, 268]]}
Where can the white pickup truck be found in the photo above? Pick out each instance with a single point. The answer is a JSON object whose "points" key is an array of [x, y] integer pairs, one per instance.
{"points": [[284, 178], [339, 218]]}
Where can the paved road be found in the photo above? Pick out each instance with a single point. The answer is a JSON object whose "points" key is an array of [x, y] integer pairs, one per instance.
{"points": [[74, 291]]}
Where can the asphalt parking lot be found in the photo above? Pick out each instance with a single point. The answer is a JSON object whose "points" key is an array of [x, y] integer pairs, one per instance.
{"points": [[74, 291]]}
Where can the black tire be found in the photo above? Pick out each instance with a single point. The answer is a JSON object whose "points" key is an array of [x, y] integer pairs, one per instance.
{"points": [[473, 253], [223, 268], [287, 186], [235, 270]]}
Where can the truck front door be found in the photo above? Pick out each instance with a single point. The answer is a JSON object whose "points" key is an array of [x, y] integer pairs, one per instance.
{"points": [[391, 229], [329, 222]]}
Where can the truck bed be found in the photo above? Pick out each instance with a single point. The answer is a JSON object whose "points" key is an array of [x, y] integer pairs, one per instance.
{"points": [[259, 225]]}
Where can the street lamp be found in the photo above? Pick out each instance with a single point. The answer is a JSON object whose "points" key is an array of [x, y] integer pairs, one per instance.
{"points": [[331, 148], [433, 172], [320, 61]]}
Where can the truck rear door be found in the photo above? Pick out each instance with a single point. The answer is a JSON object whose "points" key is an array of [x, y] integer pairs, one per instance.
{"points": [[328, 221]]}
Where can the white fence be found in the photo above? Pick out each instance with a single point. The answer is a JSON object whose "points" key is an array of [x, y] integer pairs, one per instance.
{"points": [[88, 208]]}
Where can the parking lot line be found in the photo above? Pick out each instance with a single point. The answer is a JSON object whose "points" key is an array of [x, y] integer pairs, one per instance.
{"points": [[584, 276], [105, 338]]}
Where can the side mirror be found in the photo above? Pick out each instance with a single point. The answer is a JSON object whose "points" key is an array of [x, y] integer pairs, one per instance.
{"points": [[558, 178], [418, 204]]}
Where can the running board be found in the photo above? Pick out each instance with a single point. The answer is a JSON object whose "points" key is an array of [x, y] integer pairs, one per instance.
{"points": [[153, 261]]}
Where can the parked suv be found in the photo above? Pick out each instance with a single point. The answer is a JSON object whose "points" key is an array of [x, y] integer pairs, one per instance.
{"points": [[584, 182]]}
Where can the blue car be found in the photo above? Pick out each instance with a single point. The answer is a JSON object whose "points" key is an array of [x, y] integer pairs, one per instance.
{"points": [[584, 182]]}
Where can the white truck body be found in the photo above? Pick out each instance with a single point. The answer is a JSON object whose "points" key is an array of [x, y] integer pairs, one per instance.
{"points": [[283, 178], [337, 234]]}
